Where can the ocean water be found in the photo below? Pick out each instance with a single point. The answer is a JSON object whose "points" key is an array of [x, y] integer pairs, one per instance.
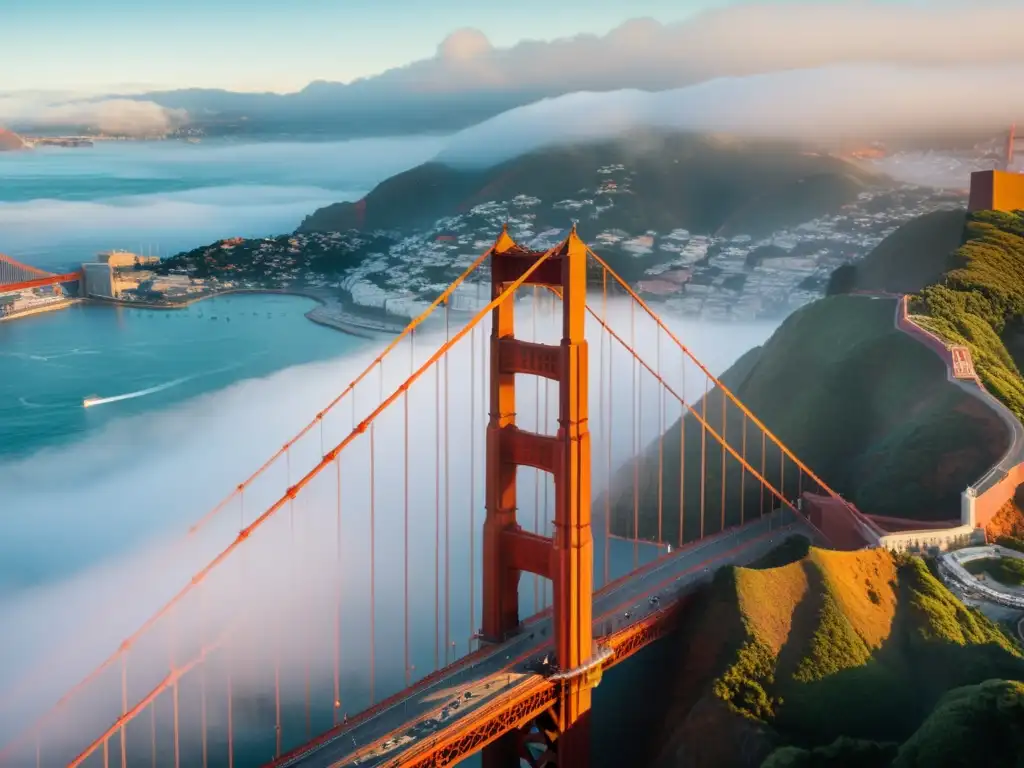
{"points": [[136, 361], [58, 207]]}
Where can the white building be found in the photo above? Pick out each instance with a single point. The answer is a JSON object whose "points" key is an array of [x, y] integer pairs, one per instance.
{"points": [[100, 280]]}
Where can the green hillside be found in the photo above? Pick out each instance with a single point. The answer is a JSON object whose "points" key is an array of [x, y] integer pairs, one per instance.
{"points": [[853, 645], [967, 271], [864, 405], [867, 407], [981, 726], [917, 254], [980, 303], [794, 200], [669, 181]]}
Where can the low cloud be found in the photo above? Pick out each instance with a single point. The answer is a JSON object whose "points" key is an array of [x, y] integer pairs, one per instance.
{"points": [[116, 116], [107, 514], [828, 103]]}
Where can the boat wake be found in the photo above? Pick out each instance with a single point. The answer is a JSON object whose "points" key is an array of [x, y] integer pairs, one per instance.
{"points": [[90, 402], [93, 400]]}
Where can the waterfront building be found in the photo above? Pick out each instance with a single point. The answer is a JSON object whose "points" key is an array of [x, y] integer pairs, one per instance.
{"points": [[100, 280]]}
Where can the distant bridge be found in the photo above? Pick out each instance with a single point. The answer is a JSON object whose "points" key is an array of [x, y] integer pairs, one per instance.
{"points": [[15, 276]]}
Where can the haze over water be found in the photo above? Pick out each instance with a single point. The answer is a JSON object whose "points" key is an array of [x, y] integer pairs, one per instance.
{"points": [[58, 207]]}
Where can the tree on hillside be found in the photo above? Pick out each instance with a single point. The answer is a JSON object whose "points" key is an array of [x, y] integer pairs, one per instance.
{"points": [[978, 725], [844, 752], [841, 280]]}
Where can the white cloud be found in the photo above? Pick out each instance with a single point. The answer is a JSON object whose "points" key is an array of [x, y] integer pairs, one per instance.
{"points": [[738, 40], [57, 110], [247, 189]]}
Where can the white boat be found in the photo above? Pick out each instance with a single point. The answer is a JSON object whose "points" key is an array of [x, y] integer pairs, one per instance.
{"points": [[91, 400]]}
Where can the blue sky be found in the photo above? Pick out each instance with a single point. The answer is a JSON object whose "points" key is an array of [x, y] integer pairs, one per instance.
{"points": [[282, 45], [272, 44]]}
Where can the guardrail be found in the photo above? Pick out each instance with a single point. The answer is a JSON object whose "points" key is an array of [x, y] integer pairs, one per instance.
{"points": [[992, 489]]}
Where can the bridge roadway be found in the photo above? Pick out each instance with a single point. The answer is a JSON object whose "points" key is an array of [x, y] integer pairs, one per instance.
{"points": [[418, 716]]}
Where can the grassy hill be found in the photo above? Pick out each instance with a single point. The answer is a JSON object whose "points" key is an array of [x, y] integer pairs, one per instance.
{"points": [[858, 645], [967, 274], [864, 405], [917, 254], [980, 302], [668, 181]]}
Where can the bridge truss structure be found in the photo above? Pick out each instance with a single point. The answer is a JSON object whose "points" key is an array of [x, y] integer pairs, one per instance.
{"points": [[15, 276]]}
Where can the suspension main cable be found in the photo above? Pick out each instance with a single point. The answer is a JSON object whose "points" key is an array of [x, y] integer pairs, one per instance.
{"points": [[728, 392], [290, 493], [17, 688]]}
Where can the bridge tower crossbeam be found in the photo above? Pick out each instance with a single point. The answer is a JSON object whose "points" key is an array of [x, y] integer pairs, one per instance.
{"points": [[567, 557]]}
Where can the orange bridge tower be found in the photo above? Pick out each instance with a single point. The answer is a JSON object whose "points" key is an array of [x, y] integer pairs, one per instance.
{"points": [[567, 559]]}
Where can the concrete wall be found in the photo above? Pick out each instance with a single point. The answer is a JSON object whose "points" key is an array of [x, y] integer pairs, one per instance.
{"points": [[988, 503], [941, 538], [838, 521]]}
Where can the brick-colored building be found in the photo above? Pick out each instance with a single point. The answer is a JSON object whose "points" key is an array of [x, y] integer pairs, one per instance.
{"points": [[996, 191]]}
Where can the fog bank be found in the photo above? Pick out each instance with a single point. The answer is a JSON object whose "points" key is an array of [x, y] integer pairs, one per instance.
{"points": [[127, 507], [810, 105]]}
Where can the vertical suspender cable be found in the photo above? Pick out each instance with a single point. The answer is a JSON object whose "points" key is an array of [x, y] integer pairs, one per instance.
{"points": [[764, 466], [472, 486], [405, 401], [202, 676], [608, 428], [337, 597], [661, 435], [725, 442], [703, 451], [174, 695], [124, 709], [743, 474], [231, 725], [536, 472], [636, 450], [639, 445], [437, 517], [682, 457], [782, 477], [152, 731], [447, 502], [373, 552], [305, 663], [546, 528]]}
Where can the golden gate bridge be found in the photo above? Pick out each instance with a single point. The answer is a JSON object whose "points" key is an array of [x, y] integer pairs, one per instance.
{"points": [[15, 276], [421, 573]]}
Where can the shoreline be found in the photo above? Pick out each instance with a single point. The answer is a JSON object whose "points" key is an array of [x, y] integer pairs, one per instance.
{"points": [[52, 307], [329, 312]]}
